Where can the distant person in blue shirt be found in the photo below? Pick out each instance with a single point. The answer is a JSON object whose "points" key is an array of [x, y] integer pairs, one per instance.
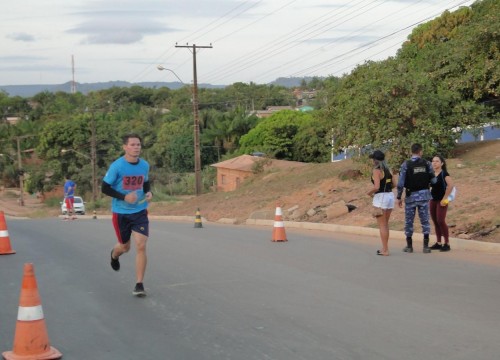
{"points": [[127, 182], [69, 198]]}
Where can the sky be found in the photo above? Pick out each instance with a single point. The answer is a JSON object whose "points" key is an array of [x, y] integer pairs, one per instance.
{"points": [[246, 41]]}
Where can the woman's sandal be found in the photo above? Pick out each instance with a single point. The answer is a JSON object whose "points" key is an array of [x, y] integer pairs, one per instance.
{"points": [[381, 253]]}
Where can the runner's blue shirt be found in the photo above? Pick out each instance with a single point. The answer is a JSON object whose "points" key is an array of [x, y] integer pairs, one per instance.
{"points": [[126, 177]]}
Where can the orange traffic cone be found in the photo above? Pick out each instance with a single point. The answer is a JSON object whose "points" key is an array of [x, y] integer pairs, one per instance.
{"points": [[279, 227], [31, 341], [197, 220], [5, 247]]}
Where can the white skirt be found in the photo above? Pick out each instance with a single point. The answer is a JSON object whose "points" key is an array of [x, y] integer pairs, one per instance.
{"points": [[384, 200]]}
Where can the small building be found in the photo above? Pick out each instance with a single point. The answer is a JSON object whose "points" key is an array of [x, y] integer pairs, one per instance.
{"points": [[12, 120], [271, 110], [305, 108], [231, 173], [304, 97]]}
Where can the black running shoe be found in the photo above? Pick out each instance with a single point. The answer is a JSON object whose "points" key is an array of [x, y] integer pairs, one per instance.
{"points": [[445, 247], [436, 246], [115, 263], [139, 290]]}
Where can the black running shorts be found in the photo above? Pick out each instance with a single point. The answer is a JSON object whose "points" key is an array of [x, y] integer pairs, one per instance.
{"points": [[124, 224]]}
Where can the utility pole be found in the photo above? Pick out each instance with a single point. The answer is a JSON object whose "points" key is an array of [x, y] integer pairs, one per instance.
{"points": [[20, 173], [93, 153], [197, 153], [20, 168], [93, 158]]}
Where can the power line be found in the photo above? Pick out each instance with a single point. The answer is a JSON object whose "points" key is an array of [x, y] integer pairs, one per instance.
{"points": [[318, 50], [206, 29], [301, 57], [367, 46], [163, 55], [255, 21], [288, 40], [300, 35]]}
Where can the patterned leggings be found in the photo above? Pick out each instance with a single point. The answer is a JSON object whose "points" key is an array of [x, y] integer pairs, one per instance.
{"points": [[438, 216]]}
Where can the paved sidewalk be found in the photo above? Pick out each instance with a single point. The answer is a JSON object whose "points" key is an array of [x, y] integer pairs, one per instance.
{"points": [[455, 243]]}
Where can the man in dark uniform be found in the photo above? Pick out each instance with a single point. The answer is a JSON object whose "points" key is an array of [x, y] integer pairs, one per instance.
{"points": [[415, 177]]}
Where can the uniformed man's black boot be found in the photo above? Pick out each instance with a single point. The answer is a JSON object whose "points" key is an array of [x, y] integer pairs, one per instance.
{"points": [[426, 250], [409, 245]]}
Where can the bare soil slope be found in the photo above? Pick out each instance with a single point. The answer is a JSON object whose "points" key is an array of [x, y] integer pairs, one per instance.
{"points": [[474, 214]]}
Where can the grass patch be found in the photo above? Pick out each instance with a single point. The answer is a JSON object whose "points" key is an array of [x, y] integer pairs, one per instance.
{"points": [[11, 194], [39, 214], [52, 202], [162, 197]]}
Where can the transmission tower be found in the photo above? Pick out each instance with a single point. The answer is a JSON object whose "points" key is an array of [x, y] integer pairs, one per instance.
{"points": [[73, 83]]}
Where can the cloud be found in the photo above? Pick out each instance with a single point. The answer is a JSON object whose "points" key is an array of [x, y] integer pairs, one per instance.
{"points": [[19, 59], [37, 69], [126, 21], [21, 37], [124, 29], [28, 64], [203, 8]]}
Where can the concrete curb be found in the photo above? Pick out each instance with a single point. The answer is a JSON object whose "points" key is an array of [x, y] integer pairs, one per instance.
{"points": [[151, 217], [455, 243]]}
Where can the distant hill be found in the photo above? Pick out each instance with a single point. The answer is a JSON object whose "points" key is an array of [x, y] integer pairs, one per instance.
{"points": [[292, 81], [31, 90]]}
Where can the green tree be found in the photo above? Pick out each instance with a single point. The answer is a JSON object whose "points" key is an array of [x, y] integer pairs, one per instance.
{"points": [[275, 135], [438, 83]]}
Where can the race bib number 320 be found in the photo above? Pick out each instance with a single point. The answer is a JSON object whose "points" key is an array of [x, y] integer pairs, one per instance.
{"points": [[133, 182]]}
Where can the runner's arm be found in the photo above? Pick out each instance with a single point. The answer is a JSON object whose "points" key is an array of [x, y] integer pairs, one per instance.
{"points": [[108, 190], [146, 187]]}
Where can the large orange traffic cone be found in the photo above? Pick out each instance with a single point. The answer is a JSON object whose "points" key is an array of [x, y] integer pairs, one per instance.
{"points": [[31, 341], [5, 247], [279, 226], [197, 220]]}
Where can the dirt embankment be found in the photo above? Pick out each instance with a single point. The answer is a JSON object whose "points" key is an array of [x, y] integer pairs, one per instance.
{"points": [[475, 214]]}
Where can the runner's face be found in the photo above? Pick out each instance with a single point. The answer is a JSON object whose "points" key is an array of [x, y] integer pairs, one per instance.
{"points": [[133, 147]]}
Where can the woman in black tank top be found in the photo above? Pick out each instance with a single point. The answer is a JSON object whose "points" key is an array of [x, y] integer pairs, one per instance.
{"points": [[383, 197]]}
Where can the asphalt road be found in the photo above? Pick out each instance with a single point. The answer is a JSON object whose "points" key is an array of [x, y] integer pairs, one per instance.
{"points": [[228, 292]]}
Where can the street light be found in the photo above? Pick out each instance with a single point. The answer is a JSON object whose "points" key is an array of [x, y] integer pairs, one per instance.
{"points": [[197, 153], [93, 165], [162, 68], [20, 174]]}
